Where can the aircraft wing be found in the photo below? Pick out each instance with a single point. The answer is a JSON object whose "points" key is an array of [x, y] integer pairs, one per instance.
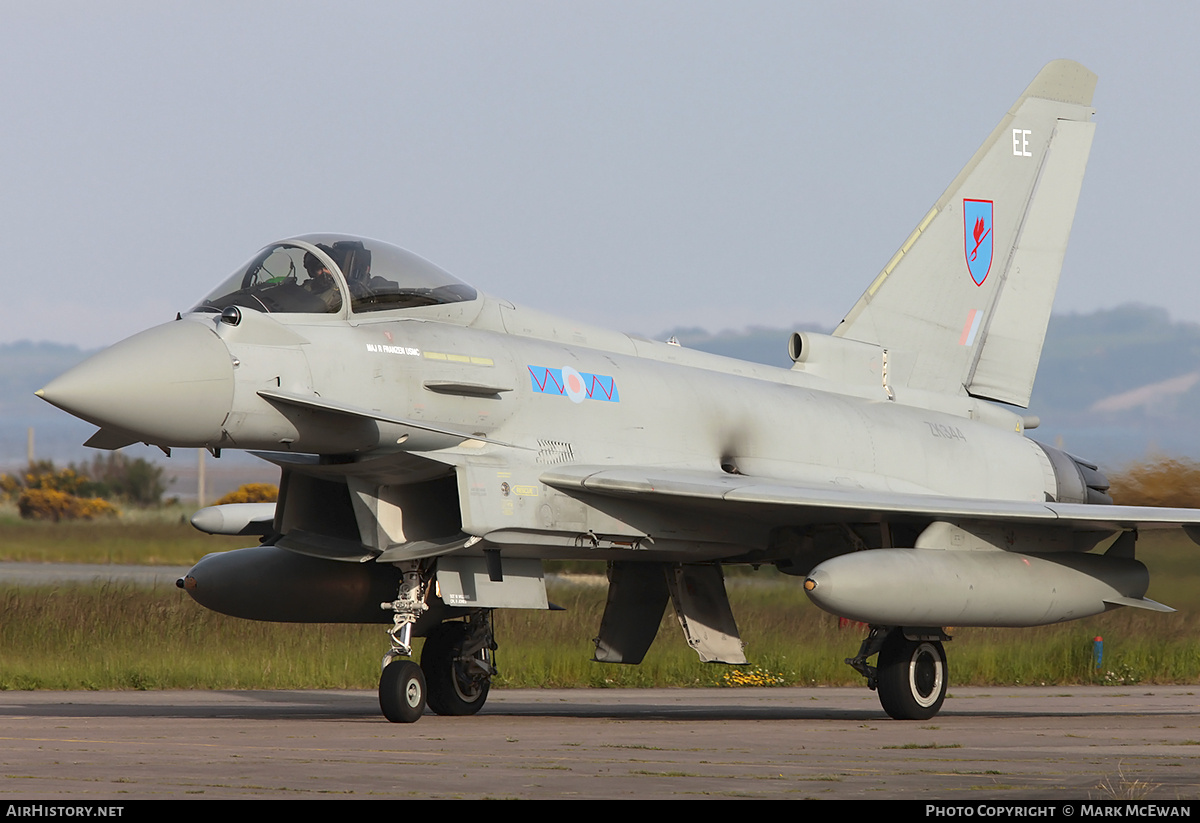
{"points": [[785, 501]]}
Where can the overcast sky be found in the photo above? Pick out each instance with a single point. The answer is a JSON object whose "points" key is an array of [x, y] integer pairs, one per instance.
{"points": [[641, 165]]}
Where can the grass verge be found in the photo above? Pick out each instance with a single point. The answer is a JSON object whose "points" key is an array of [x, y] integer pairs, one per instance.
{"points": [[126, 637], [115, 636]]}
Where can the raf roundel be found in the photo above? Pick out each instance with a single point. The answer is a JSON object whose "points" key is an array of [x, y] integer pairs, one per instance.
{"points": [[574, 386]]}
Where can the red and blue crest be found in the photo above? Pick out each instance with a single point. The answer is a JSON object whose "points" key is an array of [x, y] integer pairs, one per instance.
{"points": [[977, 238]]}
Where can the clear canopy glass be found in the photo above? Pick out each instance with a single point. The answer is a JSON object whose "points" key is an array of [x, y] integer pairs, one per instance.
{"points": [[315, 274]]}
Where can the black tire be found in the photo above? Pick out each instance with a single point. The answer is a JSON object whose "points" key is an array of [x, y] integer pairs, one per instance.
{"points": [[452, 691], [912, 677], [402, 692]]}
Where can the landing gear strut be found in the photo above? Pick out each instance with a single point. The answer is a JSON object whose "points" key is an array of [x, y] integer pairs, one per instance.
{"points": [[402, 688], [456, 668], [911, 676]]}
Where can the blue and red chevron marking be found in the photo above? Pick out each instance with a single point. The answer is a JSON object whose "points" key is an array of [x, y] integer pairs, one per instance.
{"points": [[550, 381]]}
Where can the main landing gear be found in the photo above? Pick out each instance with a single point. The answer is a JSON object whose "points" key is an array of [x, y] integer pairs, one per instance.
{"points": [[911, 676], [458, 665], [457, 662]]}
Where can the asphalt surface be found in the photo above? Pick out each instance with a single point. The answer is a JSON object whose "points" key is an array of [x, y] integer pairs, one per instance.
{"points": [[1006, 744]]}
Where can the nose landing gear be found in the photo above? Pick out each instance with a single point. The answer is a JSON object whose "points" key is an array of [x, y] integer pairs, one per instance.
{"points": [[457, 664], [402, 692]]}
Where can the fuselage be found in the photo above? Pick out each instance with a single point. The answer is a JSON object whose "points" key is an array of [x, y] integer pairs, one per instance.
{"points": [[639, 402], [378, 394]]}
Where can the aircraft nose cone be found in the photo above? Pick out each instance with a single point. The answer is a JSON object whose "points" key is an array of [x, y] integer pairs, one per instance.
{"points": [[171, 385]]}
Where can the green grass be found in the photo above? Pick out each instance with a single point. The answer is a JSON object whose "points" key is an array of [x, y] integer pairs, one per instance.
{"points": [[116, 636], [160, 536], [126, 637]]}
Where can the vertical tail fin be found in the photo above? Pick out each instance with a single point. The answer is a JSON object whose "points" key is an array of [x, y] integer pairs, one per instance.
{"points": [[963, 305]]}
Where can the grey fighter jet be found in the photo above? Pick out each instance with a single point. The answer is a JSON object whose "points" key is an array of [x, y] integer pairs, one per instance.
{"points": [[436, 445]]}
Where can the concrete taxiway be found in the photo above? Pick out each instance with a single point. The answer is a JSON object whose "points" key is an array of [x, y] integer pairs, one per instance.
{"points": [[988, 743]]}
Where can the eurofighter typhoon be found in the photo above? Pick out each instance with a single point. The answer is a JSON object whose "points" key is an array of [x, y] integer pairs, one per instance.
{"points": [[436, 445]]}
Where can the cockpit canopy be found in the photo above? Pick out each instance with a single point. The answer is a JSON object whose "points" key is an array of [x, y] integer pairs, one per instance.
{"points": [[322, 273]]}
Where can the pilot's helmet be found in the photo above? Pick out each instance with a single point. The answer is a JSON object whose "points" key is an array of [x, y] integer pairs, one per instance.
{"points": [[313, 265]]}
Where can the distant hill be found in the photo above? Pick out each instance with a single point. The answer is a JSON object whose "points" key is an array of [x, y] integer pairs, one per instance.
{"points": [[1113, 385], [1120, 383], [1089, 357]]}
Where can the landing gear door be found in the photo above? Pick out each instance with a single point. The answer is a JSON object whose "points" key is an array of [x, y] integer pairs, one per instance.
{"points": [[468, 582]]}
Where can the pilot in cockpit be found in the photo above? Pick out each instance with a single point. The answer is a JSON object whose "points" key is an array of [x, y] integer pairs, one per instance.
{"points": [[321, 282]]}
